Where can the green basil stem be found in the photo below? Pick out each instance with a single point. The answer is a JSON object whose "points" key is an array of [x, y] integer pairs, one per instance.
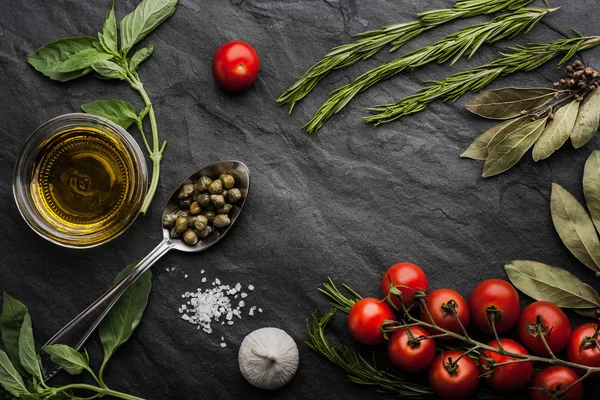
{"points": [[101, 391]]}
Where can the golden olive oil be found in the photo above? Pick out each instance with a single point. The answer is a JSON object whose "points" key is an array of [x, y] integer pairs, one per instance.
{"points": [[81, 179]]}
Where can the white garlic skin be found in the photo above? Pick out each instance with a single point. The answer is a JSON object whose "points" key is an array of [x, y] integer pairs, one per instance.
{"points": [[268, 358]]}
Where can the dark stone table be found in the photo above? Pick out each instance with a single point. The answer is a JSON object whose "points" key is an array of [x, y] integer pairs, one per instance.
{"points": [[345, 205]]}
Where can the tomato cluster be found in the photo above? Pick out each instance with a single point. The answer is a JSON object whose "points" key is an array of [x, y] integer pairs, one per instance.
{"points": [[494, 308]]}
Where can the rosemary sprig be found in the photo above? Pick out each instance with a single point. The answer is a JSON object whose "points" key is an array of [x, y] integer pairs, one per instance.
{"points": [[520, 58], [463, 42], [397, 35]]}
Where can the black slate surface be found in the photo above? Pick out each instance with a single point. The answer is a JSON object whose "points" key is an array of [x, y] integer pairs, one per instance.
{"points": [[346, 205]]}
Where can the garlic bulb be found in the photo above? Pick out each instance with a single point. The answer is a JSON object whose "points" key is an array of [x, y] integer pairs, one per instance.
{"points": [[268, 358]]}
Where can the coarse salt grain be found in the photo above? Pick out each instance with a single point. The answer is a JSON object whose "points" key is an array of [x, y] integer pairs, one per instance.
{"points": [[250, 287], [203, 280], [244, 295]]}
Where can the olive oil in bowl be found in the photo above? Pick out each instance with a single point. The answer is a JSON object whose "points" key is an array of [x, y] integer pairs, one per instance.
{"points": [[86, 180]]}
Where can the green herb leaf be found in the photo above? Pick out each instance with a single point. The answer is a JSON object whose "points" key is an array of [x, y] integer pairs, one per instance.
{"points": [[108, 36], [118, 111], [124, 317], [511, 148], [508, 102], [479, 149], [148, 15], [11, 320], [587, 121], [110, 70], [67, 357], [553, 284], [27, 354], [140, 56], [575, 227], [68, 58], [10, 379], [557, 131], [591, 186]]}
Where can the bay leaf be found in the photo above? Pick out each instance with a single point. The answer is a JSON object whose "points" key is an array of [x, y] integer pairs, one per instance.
{"points": [[575, 228], [556, 132], [553, 284], [591, 186], [508, 102], [511, 148], [479, 149], [588, 120]]}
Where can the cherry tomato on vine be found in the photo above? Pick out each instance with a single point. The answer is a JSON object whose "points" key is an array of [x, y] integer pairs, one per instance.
{"points": [[408, 353], [458, 380], [235, 66], [500, 299], [557, 327], [366, 318], [440, 304], [584, 346], [511, 377], [556, 378], [407, 278]]}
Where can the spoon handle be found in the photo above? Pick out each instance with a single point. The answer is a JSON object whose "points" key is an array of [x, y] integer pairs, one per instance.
{"points": [[76, 332]]}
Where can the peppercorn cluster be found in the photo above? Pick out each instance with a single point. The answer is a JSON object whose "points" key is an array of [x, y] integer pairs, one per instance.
{"points": [[577, 77], [203, 206]]}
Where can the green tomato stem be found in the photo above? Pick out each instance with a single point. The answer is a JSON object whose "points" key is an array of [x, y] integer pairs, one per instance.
{"points": [[101, 391]]}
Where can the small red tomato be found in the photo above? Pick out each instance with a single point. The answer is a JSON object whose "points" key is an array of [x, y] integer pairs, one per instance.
{"points": [[499, 297], [453, 382], [511, 377], [556, 378], [440, 303], [410, 354], [366, 318], [583, 346], [235, 66], [407, 278], [557, 332]]}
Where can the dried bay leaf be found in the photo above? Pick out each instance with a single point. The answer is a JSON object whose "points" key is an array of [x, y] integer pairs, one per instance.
{"points": [[556, 132], [588, 120], [511, 148], [508, 102], [479, 149], [575, 228], [547, 283], [591, 186]]}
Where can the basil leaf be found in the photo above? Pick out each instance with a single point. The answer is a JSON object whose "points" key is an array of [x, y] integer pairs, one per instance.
{"points": [[556, 132], [108, 36], [575, 227], [10, 379], [591, 186], [512, 147], [67, 59], [110, 70], [140, 56], [587, 121], [553, 284], [27, 354], [479, 149], [118, 111], [67, 357], [508, 102], [124, 317], [11, 320], [148, 15]]}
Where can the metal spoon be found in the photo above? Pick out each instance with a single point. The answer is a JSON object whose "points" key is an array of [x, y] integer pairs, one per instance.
{"points": [[76, 332]]}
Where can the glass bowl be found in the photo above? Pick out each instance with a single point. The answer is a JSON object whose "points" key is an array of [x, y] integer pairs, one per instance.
{"points": [[80, 180]]}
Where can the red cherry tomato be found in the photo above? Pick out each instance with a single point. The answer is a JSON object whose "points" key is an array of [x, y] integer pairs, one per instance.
{"points": [[557, 332], [556, 378], [507, 378], [366, 318], [583, 346], [235, 66], [408, 278], [461, 383], [499, 295], [438, 302], [411, 355]]}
